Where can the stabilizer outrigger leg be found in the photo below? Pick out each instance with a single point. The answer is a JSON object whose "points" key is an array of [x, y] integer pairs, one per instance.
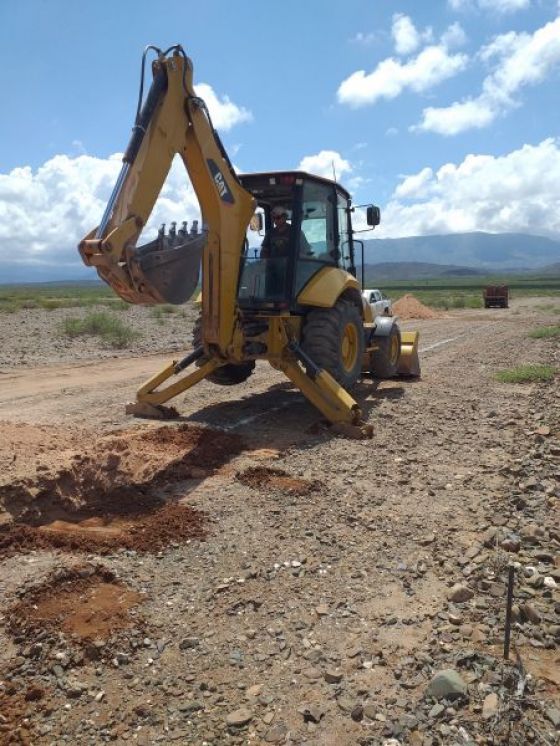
{"points": [[149, 399], [330, 398]]}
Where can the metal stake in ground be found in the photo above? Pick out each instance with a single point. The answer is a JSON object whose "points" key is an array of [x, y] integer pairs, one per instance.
{"points": [[507, 631]]}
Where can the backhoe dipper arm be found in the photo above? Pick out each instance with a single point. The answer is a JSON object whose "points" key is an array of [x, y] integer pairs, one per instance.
{"points": [[174, 120]]}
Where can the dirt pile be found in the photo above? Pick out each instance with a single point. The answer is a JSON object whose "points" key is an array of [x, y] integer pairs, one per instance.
{"points": [[110, 495], [409, 307], [26, 448], [260, 477], [115, 465]]}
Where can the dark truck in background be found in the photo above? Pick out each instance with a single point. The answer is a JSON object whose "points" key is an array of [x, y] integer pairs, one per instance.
{"points": [[496, 296]]}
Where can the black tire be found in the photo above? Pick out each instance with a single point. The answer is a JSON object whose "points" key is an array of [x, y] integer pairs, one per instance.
{"points": [[384, 362], [227, 375], [334, 340]]}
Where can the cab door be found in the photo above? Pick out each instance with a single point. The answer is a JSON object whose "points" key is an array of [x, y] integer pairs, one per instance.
{"points": [[317, 244]]}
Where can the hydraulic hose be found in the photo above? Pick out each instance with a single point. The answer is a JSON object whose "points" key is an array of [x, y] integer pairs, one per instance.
{"points": [[143, 117], [157, 89]]}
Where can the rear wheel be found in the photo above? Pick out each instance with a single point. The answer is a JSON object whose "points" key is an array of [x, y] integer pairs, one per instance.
{"points": [[227, 375], [334, 340], [385, 360]]}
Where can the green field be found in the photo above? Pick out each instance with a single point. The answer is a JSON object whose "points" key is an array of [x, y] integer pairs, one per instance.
{"points": [[453, 292], [466, 292], [58, 295]]}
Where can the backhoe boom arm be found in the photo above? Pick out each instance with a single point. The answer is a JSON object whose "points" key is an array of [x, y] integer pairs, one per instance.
{"points": [[174, 120]]}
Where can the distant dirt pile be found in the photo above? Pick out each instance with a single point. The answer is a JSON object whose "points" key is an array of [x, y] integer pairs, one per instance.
{"points": [[409, 307]]}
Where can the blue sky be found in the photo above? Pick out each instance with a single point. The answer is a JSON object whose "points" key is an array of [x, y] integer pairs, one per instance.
{"points": [[445, 113]]}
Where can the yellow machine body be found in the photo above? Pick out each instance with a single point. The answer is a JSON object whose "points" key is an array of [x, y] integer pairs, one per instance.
{"points": [[175, 121]]}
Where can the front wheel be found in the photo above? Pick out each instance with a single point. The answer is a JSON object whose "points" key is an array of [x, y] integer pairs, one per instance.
{"points": [[384, 361], [334, 340]]}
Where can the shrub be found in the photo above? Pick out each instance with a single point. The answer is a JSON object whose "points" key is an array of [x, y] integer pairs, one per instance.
{"points": [[110, 329], [160, 312], [458, 302], [474, 301], [544, 332], [526, 374], [51, 303]]}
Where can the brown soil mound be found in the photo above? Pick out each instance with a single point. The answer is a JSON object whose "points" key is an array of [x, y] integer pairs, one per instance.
{"points": [[84, 608], [121, 465], [409, 307], [27, 448], [110, 495], [259, 477]]}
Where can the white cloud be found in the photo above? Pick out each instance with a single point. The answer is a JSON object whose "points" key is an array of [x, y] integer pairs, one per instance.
{"points": [[391, 77], [415, 184], [521, 60], [365, 39], [454, 36], [405, 35], [225, 114], [45, 213], [499, 6], [452, 120], [322, 164], [517, 192]]}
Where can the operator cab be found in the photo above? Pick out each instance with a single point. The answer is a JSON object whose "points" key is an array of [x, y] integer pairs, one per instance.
{"points": [[319, 235]]}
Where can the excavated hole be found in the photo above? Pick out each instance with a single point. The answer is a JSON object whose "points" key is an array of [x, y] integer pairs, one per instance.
{"points": [[84, 604], [110, 495], [260, 477]]}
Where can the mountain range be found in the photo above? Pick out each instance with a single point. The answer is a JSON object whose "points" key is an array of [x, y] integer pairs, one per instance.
{"points": [[453, 254], [487, 252]]}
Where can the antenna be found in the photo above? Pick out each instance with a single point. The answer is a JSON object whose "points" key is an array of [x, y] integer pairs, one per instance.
{"points": [[333, 172]]}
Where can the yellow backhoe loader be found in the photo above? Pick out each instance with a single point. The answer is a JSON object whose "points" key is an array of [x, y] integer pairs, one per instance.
{"points": [[300, 309]]}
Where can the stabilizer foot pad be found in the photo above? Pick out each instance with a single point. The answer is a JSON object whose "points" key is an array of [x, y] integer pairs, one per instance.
{"points": [[151, 411], [355, 432]]}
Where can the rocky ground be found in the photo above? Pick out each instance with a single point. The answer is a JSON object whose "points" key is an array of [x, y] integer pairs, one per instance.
{"points": [[33, 336], [243, 576]]}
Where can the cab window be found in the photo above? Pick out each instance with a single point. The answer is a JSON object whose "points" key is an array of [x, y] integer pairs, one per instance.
{"points": [[317, 244], [344, 245]]}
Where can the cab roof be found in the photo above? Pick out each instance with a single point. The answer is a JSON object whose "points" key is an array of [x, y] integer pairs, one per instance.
{"points": [[282, 177]]}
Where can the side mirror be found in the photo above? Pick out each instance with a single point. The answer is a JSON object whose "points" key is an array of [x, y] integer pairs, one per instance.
{"points": [[373, 215], [256, 223]]}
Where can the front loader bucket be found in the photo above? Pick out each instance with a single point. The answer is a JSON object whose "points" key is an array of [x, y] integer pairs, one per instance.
{"points": [[168, 273], [409, 363]]}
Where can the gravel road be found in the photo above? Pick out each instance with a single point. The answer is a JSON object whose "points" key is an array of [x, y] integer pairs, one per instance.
{"points": [[296, 587]]}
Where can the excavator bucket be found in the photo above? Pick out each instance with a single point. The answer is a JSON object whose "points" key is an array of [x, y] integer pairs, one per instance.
{"points": [[168, 271], [409, 363]]}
